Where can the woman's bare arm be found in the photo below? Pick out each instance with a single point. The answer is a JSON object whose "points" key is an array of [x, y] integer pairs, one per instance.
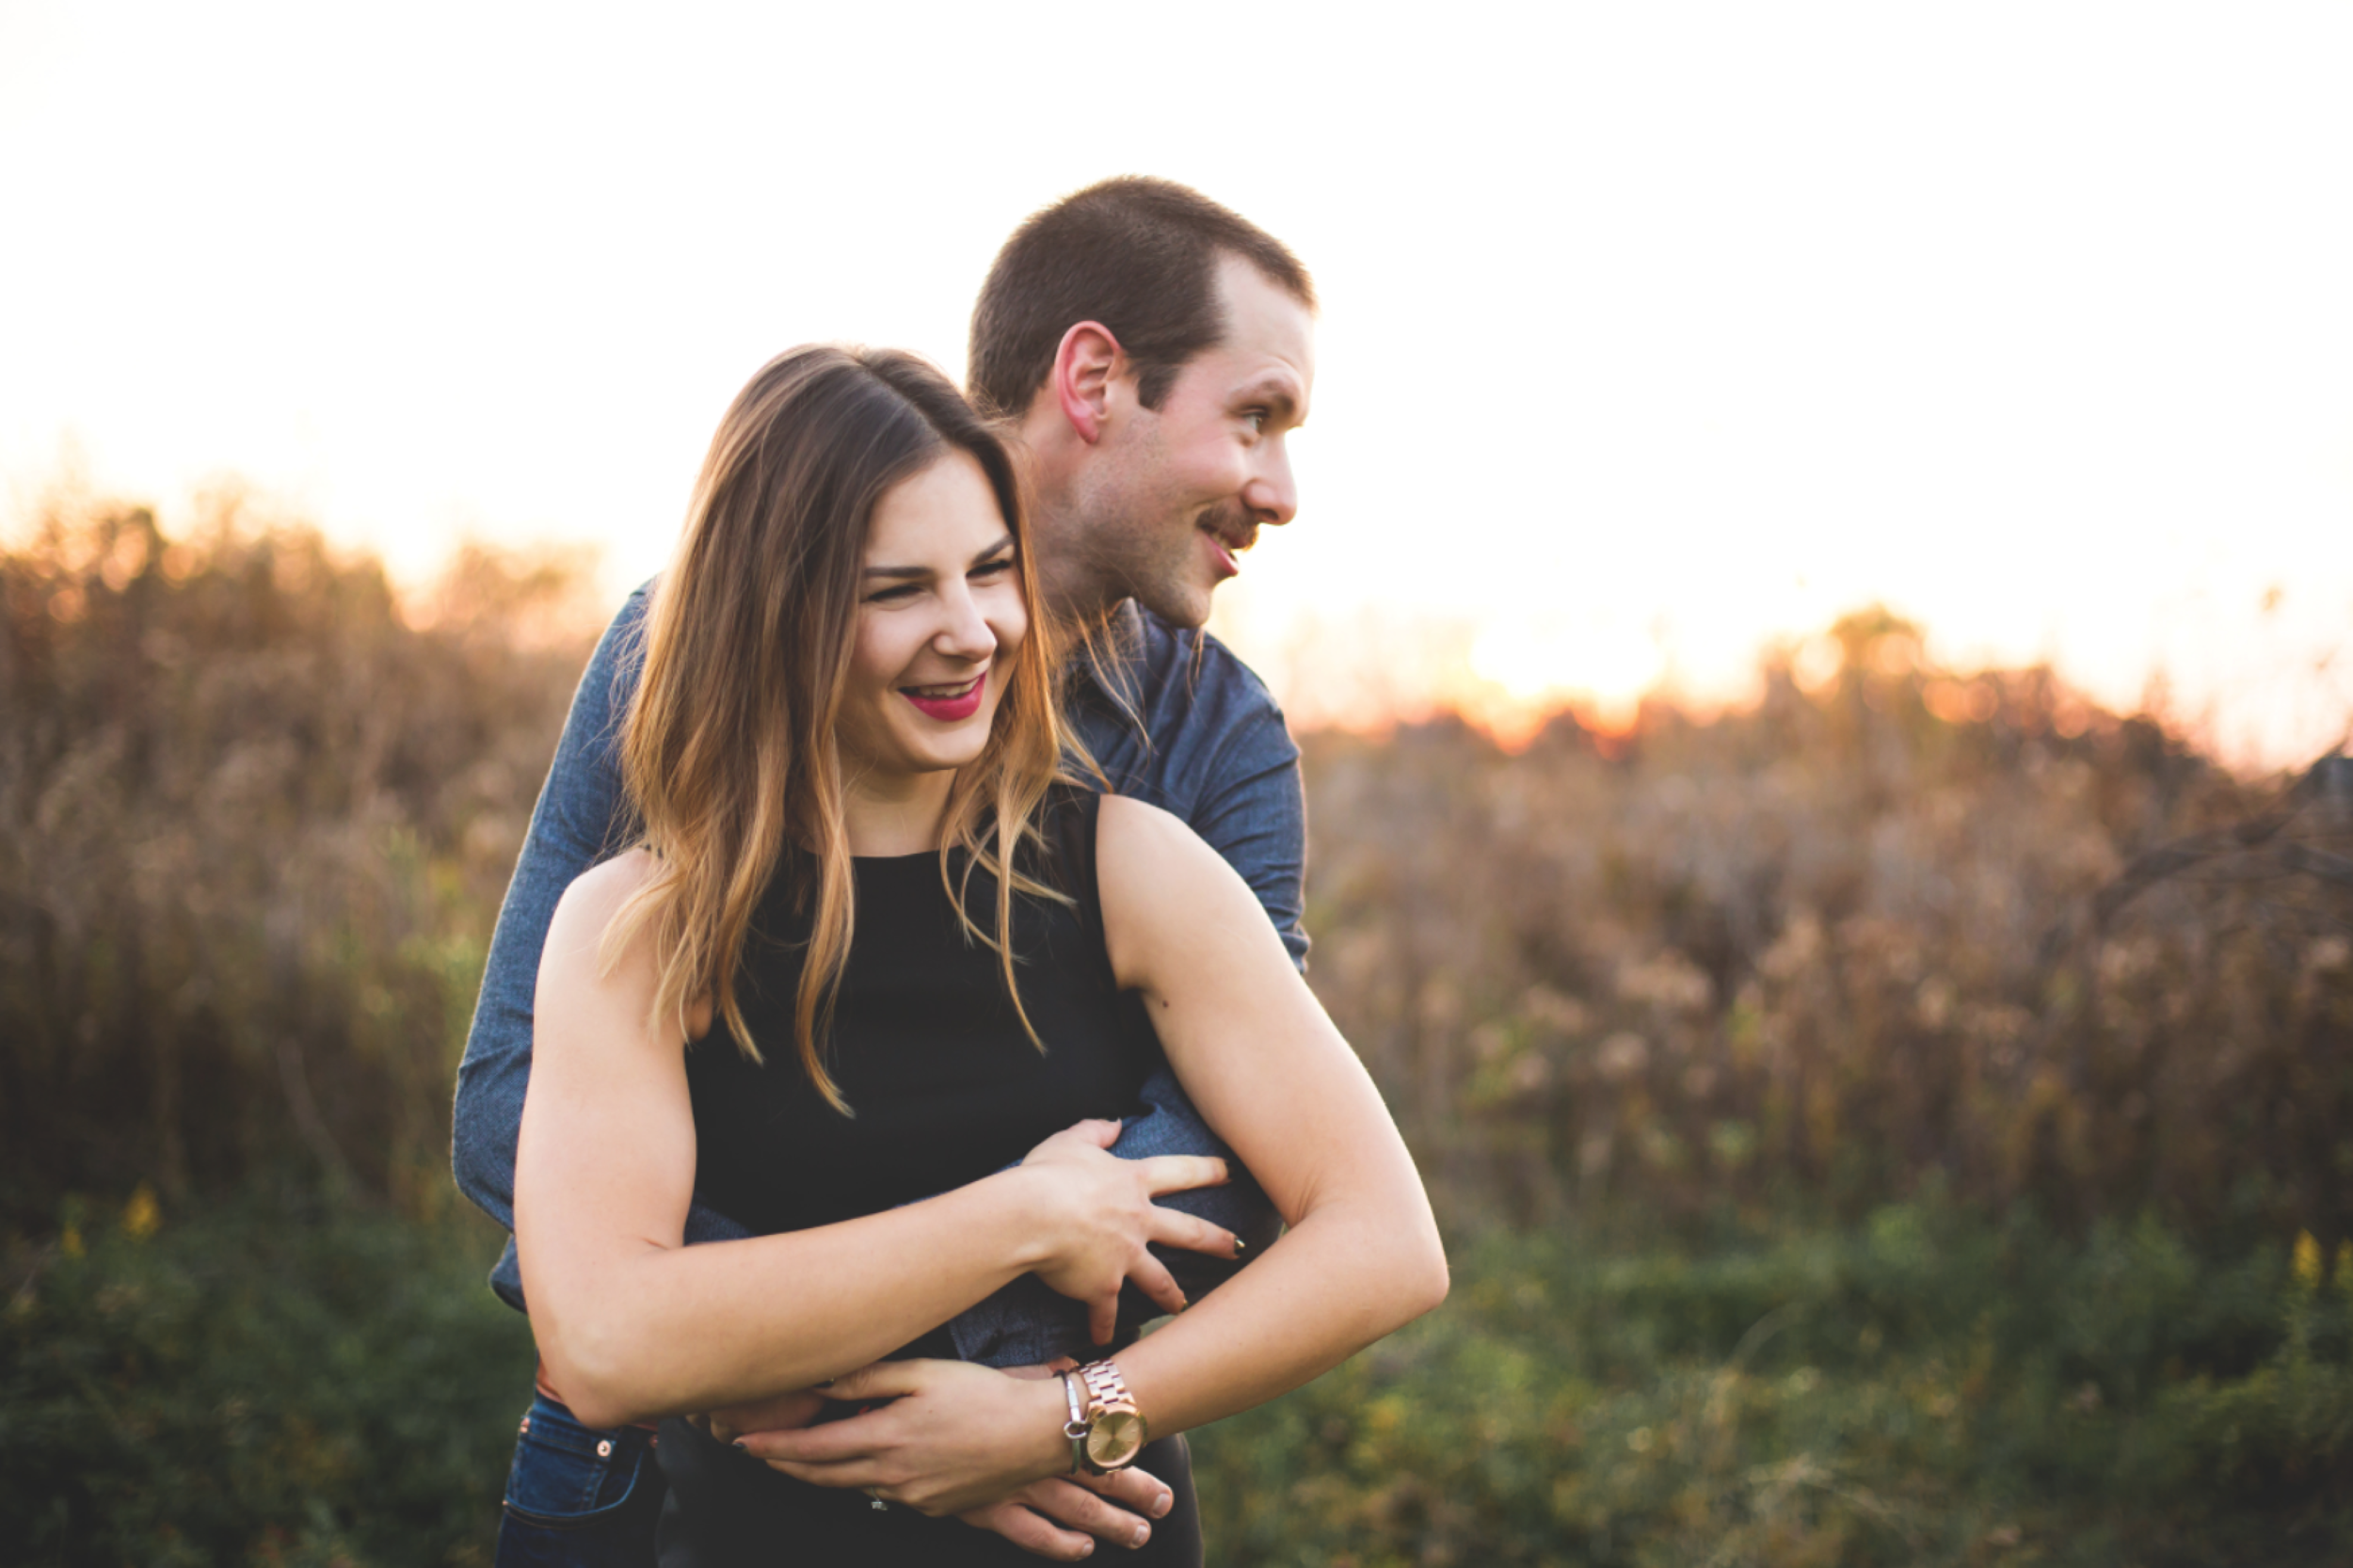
{"points": [[634, 1324], [1267, 1071]]}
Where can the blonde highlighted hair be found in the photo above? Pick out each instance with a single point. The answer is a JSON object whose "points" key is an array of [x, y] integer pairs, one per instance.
{"points": [[729, 754]]}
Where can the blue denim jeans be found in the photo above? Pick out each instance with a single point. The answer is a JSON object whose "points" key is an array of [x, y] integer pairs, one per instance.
{"points": [[577, 1497]]}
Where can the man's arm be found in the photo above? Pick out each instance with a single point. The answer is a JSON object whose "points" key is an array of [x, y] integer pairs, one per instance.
{"points": [[1255, 815], [583, 818], [1195, 732]]}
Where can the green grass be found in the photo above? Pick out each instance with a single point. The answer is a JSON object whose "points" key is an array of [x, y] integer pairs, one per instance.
{"points": [[257, 1383], [1928, 1388]]}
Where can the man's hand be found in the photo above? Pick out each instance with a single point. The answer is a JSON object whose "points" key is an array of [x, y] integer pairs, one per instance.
{"points": [[784, 1413], [951, 1438], [1056, 1518]]}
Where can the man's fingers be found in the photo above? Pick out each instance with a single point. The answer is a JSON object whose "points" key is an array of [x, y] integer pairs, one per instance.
{"points": [[883, 1380], [1030, 1532], [1178, 1172], [1135, 1489], [1055, 1367], [1083, 1509], [1174, 1227], [784, 1413]]}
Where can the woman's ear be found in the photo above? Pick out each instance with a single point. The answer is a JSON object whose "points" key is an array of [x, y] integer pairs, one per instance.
{"points": [[1087, 363]]}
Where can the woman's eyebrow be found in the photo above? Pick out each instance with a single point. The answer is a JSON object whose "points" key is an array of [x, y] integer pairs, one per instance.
{"points": [[1002, 545]]}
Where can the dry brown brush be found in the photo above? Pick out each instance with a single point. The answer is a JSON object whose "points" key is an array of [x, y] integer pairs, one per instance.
{"points": [[1912, 928], [254, 824]]}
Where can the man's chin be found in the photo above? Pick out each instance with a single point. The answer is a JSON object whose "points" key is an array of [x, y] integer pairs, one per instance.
{"points": [[1186, 606]]}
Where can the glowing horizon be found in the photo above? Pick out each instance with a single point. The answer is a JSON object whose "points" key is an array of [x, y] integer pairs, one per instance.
{"points": [[1651, 339]]}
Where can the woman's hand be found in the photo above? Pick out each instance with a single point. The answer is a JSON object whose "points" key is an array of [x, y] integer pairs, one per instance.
{"points": [[954, 1437], [1053, 1519], [1104, 1220]]}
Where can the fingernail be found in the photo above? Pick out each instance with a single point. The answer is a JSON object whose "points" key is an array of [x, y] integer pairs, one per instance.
{"points": [[1086, 1548], [1143, 1533], [824, 1383], [1161, 1504], [1239, 1245], [739, 1443]]}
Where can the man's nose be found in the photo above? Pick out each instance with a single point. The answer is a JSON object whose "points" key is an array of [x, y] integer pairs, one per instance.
{"points": [[1272, 495]]}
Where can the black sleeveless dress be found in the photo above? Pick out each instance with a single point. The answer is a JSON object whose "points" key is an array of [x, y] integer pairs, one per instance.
{"points": [[946, 1089]]}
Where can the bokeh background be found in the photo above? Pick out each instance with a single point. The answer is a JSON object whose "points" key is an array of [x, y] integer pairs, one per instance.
{"points": [[1816, 624]]}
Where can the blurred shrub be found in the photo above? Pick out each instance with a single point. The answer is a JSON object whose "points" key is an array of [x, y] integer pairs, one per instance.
{"points": [[1907, 928], [260, 1384], [255, 820], [1926, 1387], [2051, 1015]]}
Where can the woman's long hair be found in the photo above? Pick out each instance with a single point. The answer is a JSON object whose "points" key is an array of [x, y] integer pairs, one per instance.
{"points": [[729, 755]]}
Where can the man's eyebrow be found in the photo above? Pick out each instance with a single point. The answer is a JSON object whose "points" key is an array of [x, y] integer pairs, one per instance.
{"points": [[1002, 544], [1279, 391]]}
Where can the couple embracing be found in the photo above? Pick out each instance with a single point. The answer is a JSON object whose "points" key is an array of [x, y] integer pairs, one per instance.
{"points": [[896, 1005]]}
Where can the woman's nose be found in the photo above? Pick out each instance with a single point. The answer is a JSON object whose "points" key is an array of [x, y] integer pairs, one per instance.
{"points": [[966, 633]]}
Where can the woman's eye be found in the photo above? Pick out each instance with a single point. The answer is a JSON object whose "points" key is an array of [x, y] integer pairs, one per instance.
{"points": [[994, 568], [883, 596]]}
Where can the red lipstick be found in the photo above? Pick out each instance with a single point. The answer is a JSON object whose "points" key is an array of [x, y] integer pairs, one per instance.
{"points": [[948, 710]]}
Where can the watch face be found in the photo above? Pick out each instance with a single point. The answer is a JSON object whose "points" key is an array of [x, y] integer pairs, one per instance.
{"points": [[1116, 1439]]}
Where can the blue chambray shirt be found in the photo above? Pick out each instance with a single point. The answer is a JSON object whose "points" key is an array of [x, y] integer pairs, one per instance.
{"points": [[1169, 716]]}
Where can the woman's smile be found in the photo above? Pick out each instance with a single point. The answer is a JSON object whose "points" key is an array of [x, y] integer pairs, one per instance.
{"points": [[949, 704]]}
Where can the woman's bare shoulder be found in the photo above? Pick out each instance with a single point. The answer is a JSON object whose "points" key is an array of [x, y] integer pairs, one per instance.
{"points": [[593, 898], [1162, 888], [1132, 831]]}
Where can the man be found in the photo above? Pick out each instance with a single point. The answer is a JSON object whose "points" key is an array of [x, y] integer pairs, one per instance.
{"points": [[1154, 350]]}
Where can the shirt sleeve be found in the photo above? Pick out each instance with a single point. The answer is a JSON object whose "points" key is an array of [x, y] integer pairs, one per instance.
{"points": [[1252, 809], [582, 818]]}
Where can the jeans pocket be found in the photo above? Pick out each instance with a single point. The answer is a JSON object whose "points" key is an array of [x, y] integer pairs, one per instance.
{"points": [[566, 1476]]}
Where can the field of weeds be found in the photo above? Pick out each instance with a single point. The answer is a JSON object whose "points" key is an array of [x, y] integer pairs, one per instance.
{"points": [[1910, 1122]]}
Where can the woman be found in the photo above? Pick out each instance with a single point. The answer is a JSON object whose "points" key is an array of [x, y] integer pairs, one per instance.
{"points": [[903, 955]]}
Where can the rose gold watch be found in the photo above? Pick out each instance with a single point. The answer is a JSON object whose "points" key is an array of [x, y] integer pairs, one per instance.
{"points": [[1107, 1431]]}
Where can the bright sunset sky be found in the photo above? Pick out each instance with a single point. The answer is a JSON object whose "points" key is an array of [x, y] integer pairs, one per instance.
{"points": [[1652, 334]]}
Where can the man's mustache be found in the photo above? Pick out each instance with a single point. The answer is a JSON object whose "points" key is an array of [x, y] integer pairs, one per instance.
{"points": [[1232, 523]]}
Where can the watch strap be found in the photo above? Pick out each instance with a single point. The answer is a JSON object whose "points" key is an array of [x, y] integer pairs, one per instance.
{"points": [[1107, 1394]]}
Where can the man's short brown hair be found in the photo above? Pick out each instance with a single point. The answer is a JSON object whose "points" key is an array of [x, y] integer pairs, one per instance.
{"points": [[1138, 255]]}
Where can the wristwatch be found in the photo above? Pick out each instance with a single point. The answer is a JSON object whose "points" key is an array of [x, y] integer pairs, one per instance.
{"points": [[1106, 1430]]}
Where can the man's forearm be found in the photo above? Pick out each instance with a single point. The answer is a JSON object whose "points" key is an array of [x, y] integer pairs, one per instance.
{"points": [[580, 817]]}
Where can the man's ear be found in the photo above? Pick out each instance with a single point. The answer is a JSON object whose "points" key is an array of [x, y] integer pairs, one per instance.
{"points": [[1086, 363]]}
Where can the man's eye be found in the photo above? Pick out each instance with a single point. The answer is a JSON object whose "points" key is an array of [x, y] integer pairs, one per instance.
{"points": [[1255, 418]]}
